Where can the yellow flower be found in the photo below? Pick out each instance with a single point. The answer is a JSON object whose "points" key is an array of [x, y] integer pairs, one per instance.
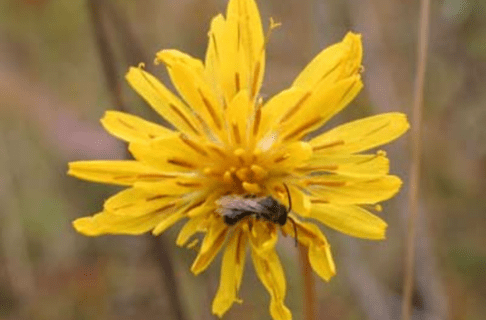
{"points": [[226, 141]]}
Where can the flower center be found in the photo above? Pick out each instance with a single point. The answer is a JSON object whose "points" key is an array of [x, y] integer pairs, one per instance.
{"points": [[240, 171]]}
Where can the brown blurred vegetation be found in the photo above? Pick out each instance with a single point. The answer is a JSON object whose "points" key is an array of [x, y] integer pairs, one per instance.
{"points": [[53, 90]]}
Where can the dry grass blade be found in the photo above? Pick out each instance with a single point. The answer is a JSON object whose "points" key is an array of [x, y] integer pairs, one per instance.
{"points": [[416, 154], [107, 57]]}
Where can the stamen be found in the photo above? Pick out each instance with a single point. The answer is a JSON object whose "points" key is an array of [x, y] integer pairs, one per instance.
{"points": [[282, 158], [193, 206], [302, 128], [295, 108], [346, 93], [256, 122], [236, 133], [254, 83], [207, 171], [210, 109], [319, 201], [184, 118], [328, 145], [125, 124], [181, 163], [252, 188], [273, 25], [193, 145], [239, 153], [238, 257], [337, 65], [217, 150], [170, 205], [257, 152], [227, 177], [189, 184], [157, 197], [243, 174], [258, 172], [318, 168], [237, 81], [213, 37]]}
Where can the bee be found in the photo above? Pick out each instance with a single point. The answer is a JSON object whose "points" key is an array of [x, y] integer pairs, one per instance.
{"points": [[234, 208]]}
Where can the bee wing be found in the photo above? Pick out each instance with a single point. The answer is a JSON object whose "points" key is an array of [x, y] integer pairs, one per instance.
{"points": [[239, 203]]}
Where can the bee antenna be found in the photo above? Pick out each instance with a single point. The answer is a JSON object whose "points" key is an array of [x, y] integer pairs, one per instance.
{"points": [[290, 199], [295, 230]]}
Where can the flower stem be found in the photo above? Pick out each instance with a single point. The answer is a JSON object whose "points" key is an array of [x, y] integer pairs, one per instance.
{"points": [[309, 287], [416, 154]]}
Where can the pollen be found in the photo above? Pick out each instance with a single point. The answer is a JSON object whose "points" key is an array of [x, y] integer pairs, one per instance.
{"points": [[258, 172], [227, 177], [243, 174], [252, 188]]}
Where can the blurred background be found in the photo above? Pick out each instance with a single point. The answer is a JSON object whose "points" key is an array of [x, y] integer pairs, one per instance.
{"points": [[62, 65]]}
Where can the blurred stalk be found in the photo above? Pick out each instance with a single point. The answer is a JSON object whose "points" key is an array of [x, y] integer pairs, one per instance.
{"points": [[416, 155], [309, 286], [14, 241], [106, 53], [107, 58]]}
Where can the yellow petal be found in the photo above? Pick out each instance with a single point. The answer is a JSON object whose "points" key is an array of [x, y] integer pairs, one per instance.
{"points": [[131, 128], [237, 115], [163, 101], [231, 274], [263, 237], [187, 75], [190, 228], [319, 250], [122, 172], [322, 103], [290, 155], [339, 189], [241, 49], [250, 34], [212, 65], [109, 223], [334, 63], [351, 220], [269, 270], [359, 165], [137, 202], [212, 243], [168, 222], [361, 134], [278, 107], [321, 261], [171, 154], [174, 186]]}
